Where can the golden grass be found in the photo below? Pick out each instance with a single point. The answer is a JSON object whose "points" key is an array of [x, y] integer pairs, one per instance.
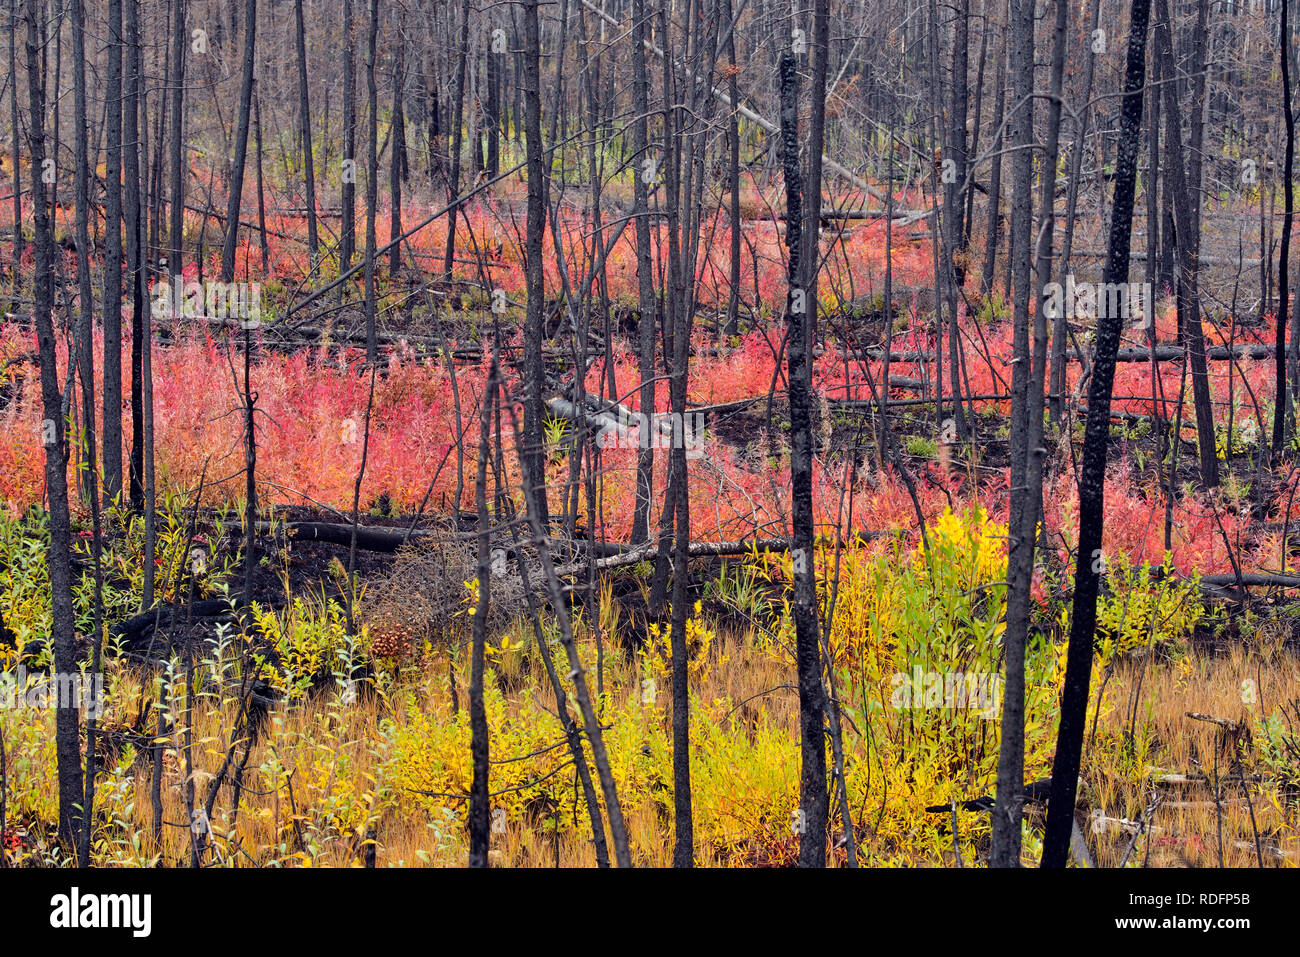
{"points": [[342, 772]]}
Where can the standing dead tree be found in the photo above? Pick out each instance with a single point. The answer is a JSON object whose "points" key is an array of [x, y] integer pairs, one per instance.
{"points": [[177, 154], [1089, 562], [812, 813], [304, 119], [1186, 206], [235, 199], [54, 440], [533, 454], [112, 298], [479, 830], [577, 673], [1281, 405], [1026, 451]]}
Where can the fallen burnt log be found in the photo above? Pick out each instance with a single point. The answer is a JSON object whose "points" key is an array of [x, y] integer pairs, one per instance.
{"points": [[1163, 354], [134, 631], [609, 555], [630, 555], [832, 216], [1228, 584], [369, 538]]}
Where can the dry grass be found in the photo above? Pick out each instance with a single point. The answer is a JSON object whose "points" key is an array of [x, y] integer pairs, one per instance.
{"points": [[338, 777], [1188, 827], [418, 598]]}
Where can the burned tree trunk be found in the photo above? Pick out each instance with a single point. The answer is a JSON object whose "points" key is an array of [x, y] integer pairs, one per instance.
{"points": [[994, 220], [1026, 402], [1092, 475], [813, 800], [372, 183], [1186, 225], [534, 455], [479, 829], [1281, 402], [457, 120], [59, 557], [112, 403], [645, 172], [396, 172], [348, 227], [176, 224], [304, 119], [134, 210], [234, 201]]}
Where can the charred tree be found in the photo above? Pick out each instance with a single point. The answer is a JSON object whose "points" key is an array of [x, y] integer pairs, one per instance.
{"points": [[112, 402], [372, 183], [1282, 401], [457, 132], [304, 120], [645, 169], [134, 214], [235, 200], [813, 800], [398, 137], [59, 556], [348, 226], [1026, 451], [1186, 206], [534, 372], [1089, 563], [177, 155]]}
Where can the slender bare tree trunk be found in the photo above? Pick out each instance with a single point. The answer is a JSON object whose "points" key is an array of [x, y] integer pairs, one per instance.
{"points": [[479, 828], [1089, 562], [1281, 403], [372, 183], [993, 222], [347, 228], [534, 372], [493, 108], [1186, 224], [134, 210], [85, 354], [954, 203], [179, 165], [304, 119], [235, 200], [645, 169], [733, 172], [813, 801], [112, 458], [13, 126], [1005, 851], [59, 557], [398, 137], [457, 128]]}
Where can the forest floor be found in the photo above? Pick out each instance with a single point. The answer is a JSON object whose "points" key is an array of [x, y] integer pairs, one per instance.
{"points": [[353, 698]]}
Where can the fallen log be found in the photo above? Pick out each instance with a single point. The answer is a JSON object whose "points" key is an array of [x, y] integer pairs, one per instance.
{"points": [[369, 537], [647, 550], [1140, 256], [1102, 822], [1228, 581], [1199, 780], [132, 630], [1163, 354]]}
